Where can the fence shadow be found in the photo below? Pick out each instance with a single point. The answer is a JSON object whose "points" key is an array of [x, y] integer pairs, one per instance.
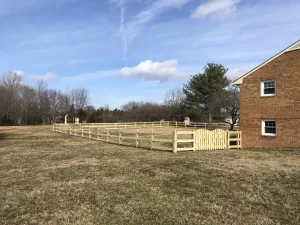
{"points": [[4, 137]]}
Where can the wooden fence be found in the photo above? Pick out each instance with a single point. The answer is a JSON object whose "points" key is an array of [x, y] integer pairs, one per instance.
{"points": [[151, 139], [202, 139], [185, 140], [132, 125]]}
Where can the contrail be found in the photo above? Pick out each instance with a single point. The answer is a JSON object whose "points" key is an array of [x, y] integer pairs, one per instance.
{"points": [[123, 37], [133, 26]]}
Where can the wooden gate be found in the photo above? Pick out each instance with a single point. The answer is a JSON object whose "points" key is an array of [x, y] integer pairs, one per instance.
{"points": [[211, 140]]}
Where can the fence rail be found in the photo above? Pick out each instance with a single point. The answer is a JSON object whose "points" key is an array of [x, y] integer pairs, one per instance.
{"points": [[176, 141], [160, 140], [129, 125]]}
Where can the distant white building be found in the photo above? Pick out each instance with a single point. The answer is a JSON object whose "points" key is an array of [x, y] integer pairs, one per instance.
{"points": [[228, 119]]}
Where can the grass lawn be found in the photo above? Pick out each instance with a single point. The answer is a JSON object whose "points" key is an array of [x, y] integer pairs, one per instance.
{"points": [[50, 178]]}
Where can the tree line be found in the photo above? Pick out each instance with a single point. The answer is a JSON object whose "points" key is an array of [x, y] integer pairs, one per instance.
{"points": [[206, 97], [21, 104]]}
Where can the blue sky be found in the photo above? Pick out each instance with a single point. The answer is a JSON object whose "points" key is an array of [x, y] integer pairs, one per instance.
{"points": [[125, 50]]}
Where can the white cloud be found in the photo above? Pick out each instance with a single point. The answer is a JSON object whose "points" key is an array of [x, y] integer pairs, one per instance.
{"points": [[73, 62], [215, 7], [234, 73], [46, 77], [19, 72], [149, 70]]}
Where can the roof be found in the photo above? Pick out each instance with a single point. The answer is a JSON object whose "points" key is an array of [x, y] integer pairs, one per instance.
{"points": [[295, 46]]}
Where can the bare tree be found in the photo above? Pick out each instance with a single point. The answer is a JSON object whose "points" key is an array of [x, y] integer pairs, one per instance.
{"points": [[2, 101], [43, 102], [64, 103], [232, 105], [79, 97], [55, 98], [12, 83], [144, 111], [174, 100], [22, 104], [226, 102], [29, 105]]}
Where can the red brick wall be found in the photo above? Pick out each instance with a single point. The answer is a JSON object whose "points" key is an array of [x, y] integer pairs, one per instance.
{"points": [[284, 107]]}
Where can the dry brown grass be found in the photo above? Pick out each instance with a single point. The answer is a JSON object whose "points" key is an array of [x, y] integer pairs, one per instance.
{"points": [[50, 178]]}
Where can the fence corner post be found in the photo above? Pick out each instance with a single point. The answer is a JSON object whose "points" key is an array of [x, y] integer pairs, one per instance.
{"points": [[175, 141]]}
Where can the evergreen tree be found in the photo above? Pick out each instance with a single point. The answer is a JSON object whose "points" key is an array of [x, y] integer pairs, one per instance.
{"points": [[201, 87]]}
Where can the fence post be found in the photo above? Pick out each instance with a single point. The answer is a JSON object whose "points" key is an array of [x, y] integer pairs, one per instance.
{"points": [[194, 137], [240, 135], [228, 139], [144, 124], [137, 138], [98, 134], [175, 141], [176, 124], [90, 133], [82, 131]]}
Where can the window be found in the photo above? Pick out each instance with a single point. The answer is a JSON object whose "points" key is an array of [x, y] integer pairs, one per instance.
{"points": [[269, 127], [268, 88]]}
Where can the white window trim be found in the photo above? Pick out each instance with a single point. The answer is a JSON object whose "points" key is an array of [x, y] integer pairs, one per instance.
{"points": [[263, 129], [262, 89]]}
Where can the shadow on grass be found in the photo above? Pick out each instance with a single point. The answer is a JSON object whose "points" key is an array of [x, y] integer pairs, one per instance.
{"points": [[4, 137]]}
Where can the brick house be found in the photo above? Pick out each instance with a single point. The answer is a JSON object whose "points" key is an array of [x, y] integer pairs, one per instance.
{"points": [[270, 102]]}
